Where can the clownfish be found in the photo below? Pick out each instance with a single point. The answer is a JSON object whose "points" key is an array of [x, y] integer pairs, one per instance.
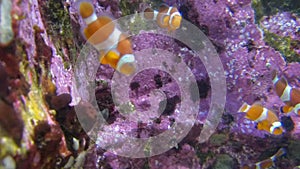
{"points": [[267, 163], [114, 46], [266, 119], [166, 17], [289, 95]]}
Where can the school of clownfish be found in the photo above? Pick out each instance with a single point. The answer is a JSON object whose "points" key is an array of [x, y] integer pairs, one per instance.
{"points": [[115, 49], [267, 119], [113, 45]]}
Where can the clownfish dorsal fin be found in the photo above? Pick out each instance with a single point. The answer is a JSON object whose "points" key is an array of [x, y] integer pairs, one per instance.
{"points": [[283, 81], [148, 10], [297, 92], [257, 103], [163, 7], [175, 6]]}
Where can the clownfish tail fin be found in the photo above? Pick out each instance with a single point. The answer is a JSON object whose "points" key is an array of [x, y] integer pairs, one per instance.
{"points": [[279, 153], [86, 9], [297, 109]]}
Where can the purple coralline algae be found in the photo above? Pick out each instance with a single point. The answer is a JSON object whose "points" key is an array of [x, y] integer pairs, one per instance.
{"points": [[282, 24], [39, 116]]}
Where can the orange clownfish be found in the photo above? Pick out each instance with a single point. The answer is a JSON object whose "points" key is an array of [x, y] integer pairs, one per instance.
{"points": [[115, 48], [166, 17], [289, 95], [267, 163], [266, 119]]}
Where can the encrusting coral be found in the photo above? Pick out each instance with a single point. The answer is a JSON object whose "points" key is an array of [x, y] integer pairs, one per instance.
{"points": [[39, 125]]}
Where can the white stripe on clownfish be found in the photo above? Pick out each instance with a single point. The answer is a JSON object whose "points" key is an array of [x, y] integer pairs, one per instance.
{"points": [[275, 125], [104, 35], [155, 13], [91, 18], [266, 119], [263, 115], [275, 79], [111, 41], [172, 16], [165, 15], [267, 163], [286, 93]]}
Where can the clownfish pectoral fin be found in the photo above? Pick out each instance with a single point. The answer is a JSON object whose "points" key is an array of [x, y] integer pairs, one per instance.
{"points": [[102, 58], [259, 126], [286, 109], [110, 57]]}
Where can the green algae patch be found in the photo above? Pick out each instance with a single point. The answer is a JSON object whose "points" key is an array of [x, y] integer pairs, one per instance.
{"points": [[223, 161], [271, 7], [58, 26], [285, 45], [9, 146], [204, 156], [34, 107], [259, 9], [218, 139], [128, 8]]}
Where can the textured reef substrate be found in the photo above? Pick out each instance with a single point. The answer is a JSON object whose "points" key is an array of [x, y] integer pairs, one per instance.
{"points": [[40, 44]]}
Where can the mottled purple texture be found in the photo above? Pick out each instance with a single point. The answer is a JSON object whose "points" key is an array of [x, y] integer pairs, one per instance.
{"points": [[247, 61], [282, 24], [183, 158]]}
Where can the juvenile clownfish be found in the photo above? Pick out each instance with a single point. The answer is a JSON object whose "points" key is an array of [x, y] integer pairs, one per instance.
{"points": [[266, 119], [267, 163], [115, 48], [289, 95], [166, 17]]}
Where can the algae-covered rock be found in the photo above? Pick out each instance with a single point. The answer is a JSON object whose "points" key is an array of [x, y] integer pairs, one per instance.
{"points": [[217, 139], [223, 161], [294, 150], [271, 7]]}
